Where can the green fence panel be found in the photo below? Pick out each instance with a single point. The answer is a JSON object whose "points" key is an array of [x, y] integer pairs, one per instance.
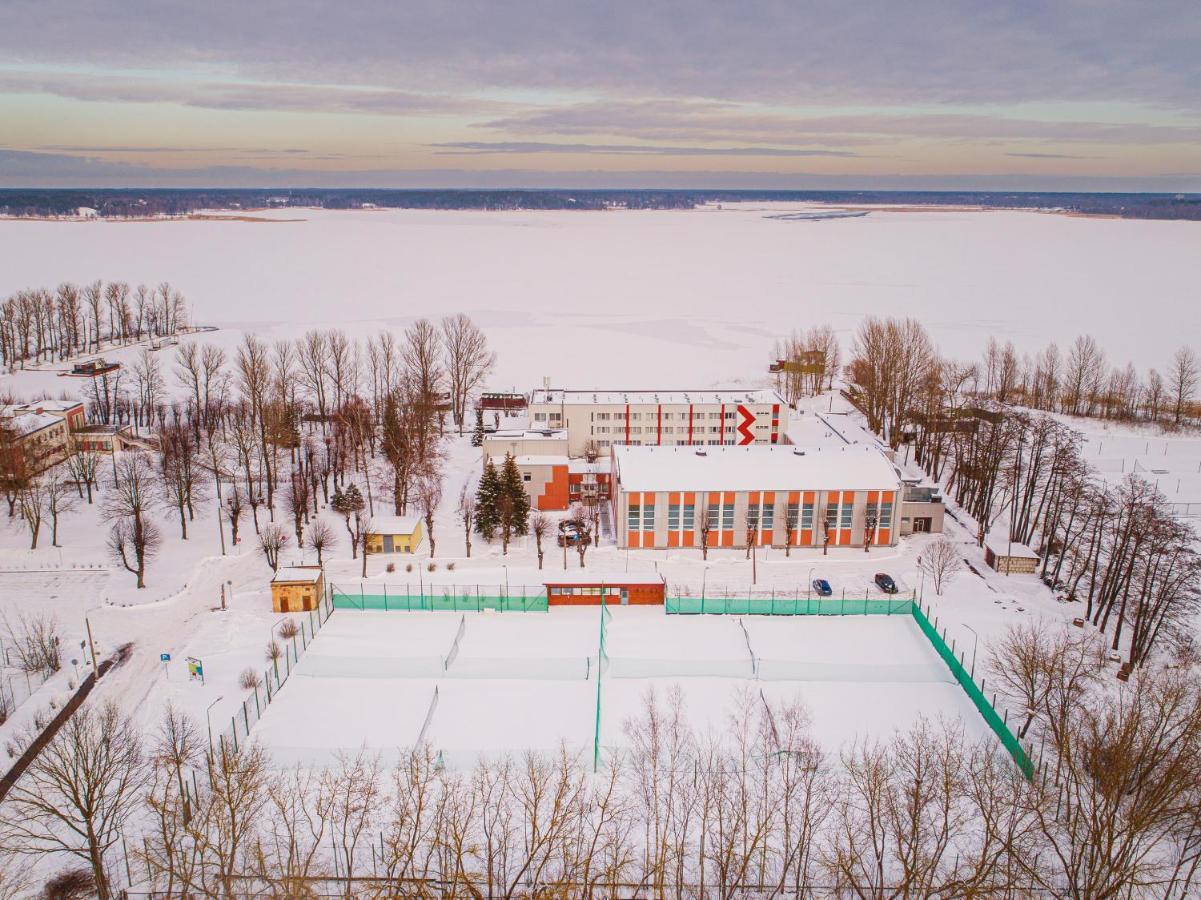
{"points": [[986, 709], [786, 606]]}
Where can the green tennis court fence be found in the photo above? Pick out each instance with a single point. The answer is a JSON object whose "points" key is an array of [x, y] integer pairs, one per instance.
{"points": [[443, 598], [975, 692], [783, 605]]}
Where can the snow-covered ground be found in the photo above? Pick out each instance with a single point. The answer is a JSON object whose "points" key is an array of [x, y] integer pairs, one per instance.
{"points": [[680, 299], [688, 298]]}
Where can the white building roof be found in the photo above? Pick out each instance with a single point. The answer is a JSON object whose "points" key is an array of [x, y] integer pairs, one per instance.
{"points": [[28, 423], [584, 467], [653, 398], [1000, 546], [393, 524], [754, 467], [520, 434], [541, 459], [59, 406], [306, 574]]}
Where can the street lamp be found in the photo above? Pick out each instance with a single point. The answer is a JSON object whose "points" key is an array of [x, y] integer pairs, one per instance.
{"points": [[809, 583], [209, 721], [974, 644]]}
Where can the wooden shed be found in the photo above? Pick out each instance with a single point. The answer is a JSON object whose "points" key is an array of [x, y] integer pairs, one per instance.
{"points": [[1009, 557], [297, 588]]}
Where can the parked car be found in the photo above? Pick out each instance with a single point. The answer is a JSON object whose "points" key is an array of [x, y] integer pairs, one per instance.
{"points": [[885, 583], [574, 538], [822, 588]]}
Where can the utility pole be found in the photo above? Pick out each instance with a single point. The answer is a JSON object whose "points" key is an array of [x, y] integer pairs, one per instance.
{"points": [[92, 648]]}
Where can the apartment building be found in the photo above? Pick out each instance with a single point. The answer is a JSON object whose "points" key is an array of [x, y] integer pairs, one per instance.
{"points": [[598, 421]]}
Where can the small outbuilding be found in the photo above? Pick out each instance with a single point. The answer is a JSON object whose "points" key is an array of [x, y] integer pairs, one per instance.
{"points": [[1009, 557], [297, 588], [623, 590], [394, 534]]}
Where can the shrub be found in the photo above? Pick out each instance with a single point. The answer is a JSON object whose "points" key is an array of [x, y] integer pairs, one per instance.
{"points": [[390, 567], [249, 679], [289, 629], [74, 884]]}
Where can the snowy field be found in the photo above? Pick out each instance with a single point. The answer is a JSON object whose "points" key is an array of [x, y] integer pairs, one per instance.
{"points": [[703, 292], [369, 680]]}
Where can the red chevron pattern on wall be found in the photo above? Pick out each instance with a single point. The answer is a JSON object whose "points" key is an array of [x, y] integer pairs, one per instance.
{"points": [[744, 427]]}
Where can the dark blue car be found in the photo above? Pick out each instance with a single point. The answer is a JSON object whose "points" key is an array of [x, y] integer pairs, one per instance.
{"points": [[885, 583], [822, 588]]}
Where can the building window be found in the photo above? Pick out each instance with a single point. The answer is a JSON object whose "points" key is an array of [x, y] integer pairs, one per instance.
{"points": [[648, 517], [806, 517], [689, 516], [525, 476], [767, 517], [831, 516], [634, 517], [673, 517], [727, 517], [885, 515], [714, 522], [846, 517]]}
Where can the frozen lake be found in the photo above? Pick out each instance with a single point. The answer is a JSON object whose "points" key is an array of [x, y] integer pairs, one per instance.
{"points": [[693, 297]]}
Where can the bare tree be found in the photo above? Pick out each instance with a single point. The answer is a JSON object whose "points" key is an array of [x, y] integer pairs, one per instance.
{"points": [[80, 791], [1183, 377], [468, 362], [320, 537], [34, 640], [540, 524], [466, 511], [133, 538], [84, 465], [941, 561], [273, 538], [429, 495]]}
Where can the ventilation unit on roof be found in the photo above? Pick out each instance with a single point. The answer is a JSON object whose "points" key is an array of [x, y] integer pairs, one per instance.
{"points": [[701, 451], [798, 452]]}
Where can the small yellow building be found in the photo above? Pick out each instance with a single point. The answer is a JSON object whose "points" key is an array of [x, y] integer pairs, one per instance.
{"points": [[297, 588], [394, 534]]}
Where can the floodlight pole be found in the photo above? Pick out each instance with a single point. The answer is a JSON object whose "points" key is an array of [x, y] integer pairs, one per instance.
{"points": [[974, 643]]}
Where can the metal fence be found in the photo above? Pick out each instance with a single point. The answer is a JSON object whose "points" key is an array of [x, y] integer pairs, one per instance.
{"points": [[442, 598], [275, 676], [788, 605]]}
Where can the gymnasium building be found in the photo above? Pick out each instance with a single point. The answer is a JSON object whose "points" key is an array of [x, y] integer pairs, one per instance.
{"points": [[678, 496]]}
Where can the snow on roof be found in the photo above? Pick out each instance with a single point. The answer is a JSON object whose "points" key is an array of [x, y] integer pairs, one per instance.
{"points": [[1000, 545], [48, 406], [753, 467], [609, 578], [520, 434], [394, 524], [654, 398], [583, 466], [306, 574], [533, 460], [28, 423]]}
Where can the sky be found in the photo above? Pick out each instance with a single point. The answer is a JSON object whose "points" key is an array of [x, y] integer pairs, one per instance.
{"points": [[788, 94]]}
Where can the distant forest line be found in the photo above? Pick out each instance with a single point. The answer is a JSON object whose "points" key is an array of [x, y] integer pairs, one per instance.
{"points": [[150, 202]]}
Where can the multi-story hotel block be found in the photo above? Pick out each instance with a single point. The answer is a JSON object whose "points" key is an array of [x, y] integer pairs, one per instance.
{"points": [[598, 421]]}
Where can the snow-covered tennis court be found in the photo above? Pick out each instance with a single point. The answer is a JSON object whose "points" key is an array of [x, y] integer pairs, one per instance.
{"points": [[509, 682]]}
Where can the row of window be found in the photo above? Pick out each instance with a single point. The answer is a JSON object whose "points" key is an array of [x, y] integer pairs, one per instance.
{"points": [[641, 517]]}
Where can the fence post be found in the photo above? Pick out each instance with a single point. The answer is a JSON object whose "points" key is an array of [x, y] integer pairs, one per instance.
{"points": [[385, 596]]}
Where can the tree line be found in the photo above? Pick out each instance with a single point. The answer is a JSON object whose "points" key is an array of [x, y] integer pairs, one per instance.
{"points": [[42, 325]]}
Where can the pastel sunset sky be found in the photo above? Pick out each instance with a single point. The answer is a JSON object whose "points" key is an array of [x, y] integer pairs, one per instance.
{"points": [[756, 94]]}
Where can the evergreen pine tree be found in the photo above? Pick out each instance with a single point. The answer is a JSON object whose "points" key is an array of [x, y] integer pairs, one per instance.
{"points": [[487, 497], [514, 488], [477, 436]]}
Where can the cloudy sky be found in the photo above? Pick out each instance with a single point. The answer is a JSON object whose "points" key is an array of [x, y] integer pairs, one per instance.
{"points": [[1040, 94]]}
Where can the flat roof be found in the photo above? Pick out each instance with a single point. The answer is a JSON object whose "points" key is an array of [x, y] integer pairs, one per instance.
{"points": [[655, 397], [539, 459], [616, 580], [306, 574], [28, 423], [530, 434], [48, 405], [393, 524], [754, 467], [583, 466]]}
